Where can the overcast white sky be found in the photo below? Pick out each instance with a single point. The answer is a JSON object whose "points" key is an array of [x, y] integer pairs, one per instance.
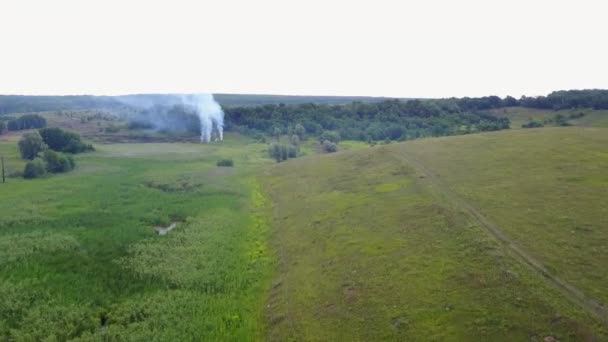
{"points": [[427, 48]]}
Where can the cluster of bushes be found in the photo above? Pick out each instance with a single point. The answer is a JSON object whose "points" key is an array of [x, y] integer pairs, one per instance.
{"points": [[50, 162], [558, 120], [532, 124], [45, 151], [282, 151], [64, 141], [225, 163], [27, 121]]}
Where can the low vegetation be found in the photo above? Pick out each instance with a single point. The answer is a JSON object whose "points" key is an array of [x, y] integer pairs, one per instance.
{"points": [[108, 276], [225, 163], [370, 249]]}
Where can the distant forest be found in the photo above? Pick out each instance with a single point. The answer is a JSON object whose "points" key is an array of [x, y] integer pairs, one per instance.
{"points": [[358, 118]]}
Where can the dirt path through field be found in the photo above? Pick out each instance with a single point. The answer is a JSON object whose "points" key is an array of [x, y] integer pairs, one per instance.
{"points": [[591, 305]]}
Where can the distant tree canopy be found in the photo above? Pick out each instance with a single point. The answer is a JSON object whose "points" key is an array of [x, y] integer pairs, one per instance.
{"points": [[568, 99], [63, 141], [390, 119], [27, 121]]}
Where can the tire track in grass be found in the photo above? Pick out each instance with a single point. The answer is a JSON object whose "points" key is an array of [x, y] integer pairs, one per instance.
{"points": [[590, 305]]}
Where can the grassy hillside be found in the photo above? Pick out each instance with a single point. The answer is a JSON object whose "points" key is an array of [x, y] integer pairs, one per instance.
{"points": [[79, 256], [546, 188], [370, 247]]}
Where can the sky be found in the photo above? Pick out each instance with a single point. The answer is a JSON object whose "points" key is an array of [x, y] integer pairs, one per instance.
{"points": [[431, 48]]}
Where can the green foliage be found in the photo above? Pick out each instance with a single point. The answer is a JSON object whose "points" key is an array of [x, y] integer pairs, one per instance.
{"points": [[560, 120], [27, 121], [329, 146], [58, 162], [281, 152], [532, 124], [34, 169], [330, 136], [393, 119], [64, 141], [2, 126], [30, 145], [567, 99], [69, 262], [300, 131], [111, 128], [225, 162]]}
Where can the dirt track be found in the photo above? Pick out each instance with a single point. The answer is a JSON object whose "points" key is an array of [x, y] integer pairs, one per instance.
{"points": [[575, 295]]}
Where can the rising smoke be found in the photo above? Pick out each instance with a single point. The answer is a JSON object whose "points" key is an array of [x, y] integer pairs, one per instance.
{"points": [[210, 114], [175, 113]]}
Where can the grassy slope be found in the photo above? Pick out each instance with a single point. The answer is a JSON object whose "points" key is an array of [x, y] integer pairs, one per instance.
{"points": [[368, 252], [80, 246], [545, 187]]}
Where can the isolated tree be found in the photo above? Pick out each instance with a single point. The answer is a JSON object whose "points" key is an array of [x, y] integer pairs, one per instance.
{"points": [[330, 136], [300, 131], [294, 140], [275, 151], [30, 145], [329, 146]]}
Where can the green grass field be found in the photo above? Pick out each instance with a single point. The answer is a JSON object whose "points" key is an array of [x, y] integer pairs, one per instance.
{"points": [[80, 259], [369, 250], [392, 242]]}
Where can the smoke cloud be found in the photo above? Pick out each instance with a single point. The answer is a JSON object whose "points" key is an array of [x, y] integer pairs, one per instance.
{"points": [[175, 113], [210, 114]]}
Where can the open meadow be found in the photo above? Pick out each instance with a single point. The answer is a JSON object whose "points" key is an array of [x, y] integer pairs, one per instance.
{"points": [[382, 244], [488, 236], [79, 255]]}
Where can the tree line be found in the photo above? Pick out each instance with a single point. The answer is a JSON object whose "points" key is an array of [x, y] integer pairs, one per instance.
{"points": [[389, 119]]}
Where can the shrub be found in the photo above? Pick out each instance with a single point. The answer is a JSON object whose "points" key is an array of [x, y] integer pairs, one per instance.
{"points": [[330, 136], [225, 163], [27, 121], [34, 169], [329, 146], [64, 141], [58, 162], [112, 129], [532, 124], [138, 124], [30, 145]]}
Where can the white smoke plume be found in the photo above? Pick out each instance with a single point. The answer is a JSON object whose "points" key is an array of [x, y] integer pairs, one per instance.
{"points": [[210, 114]]}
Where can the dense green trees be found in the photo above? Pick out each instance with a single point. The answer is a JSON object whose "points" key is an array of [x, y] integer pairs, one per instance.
{"points": [[49, 143], [30, 145], [64, 141], [392, 119], [27, 121], [568, 99]]}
